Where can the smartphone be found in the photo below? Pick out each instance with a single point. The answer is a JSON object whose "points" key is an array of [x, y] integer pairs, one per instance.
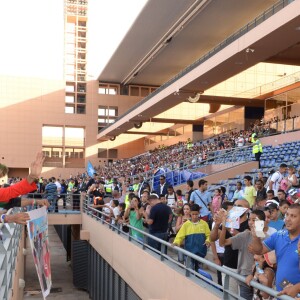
{"points": [[284, 283]]}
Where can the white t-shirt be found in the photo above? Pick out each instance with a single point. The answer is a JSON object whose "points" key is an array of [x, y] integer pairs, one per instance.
{"points": [[240, 141], [276, 179], [171, 199]]}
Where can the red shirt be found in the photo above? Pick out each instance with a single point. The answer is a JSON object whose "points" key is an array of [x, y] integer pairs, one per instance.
{"points": [[21, 188]]}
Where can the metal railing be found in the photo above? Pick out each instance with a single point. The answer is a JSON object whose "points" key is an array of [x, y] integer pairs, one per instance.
{"points": [[10, 235], [222, 291], [248, 27]]}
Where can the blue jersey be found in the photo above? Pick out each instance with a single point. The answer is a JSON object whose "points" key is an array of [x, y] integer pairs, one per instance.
{"points": [[287, 257]]}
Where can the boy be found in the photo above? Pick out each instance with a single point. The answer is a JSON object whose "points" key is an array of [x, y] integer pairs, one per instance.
{"points": [[196, 235], [283, 207]]}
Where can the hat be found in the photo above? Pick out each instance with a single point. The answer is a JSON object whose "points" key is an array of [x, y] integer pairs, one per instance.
{"points": [[272, 204], [270, 258], [292, 192]]}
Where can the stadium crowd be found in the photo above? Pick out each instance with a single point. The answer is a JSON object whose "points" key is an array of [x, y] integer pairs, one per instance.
{"points": [[262, 245]]}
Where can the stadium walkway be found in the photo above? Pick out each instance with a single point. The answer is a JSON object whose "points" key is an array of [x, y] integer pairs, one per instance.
{"points": [[62, 287]]}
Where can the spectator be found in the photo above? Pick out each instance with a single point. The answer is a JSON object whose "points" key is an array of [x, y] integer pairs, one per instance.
{"points": [[275, 222], [274, 182], [51, 194], [249, 191], [283, 207], [196, 236], [285, 243], [281, 195], [189, 189], [135, 214], [163, 186], [230, 261], [157, 215], [292, 180], [238, 193], [216, 201], [240, 242], [261, 193]]}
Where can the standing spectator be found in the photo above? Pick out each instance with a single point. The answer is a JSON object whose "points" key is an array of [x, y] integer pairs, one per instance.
{"points": [[231, 256], [163, 186], [134, 213], [283, 207], [240, 242], [51, 194], [238, 193], [189, 189], [257, 148], [285, 243], [292, 180], [261, 193], [240, 141], [216, 201], [275, 179], [196, 236], [157, 215], [249, 192], [275, 222], [203, 199]]}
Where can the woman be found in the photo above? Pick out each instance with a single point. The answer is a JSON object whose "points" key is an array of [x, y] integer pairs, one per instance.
{"points": [[134, 212], [184, 216], [292, 180]]}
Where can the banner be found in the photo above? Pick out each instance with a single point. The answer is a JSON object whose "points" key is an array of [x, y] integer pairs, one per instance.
{"points": [[37, 228], [90, 169]]}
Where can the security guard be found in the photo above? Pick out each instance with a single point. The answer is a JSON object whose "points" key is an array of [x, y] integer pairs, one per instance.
{"points": [[257, 148]]}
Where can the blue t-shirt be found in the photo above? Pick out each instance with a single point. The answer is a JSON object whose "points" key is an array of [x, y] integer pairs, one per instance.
{"points": [[286, 256], [206, 198], [278, 225]]}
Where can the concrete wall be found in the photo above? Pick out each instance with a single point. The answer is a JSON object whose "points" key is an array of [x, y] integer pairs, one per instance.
{"points": [[148, 276]]}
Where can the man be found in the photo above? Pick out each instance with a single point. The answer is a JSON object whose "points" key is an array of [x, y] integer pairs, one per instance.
{"points": [[189, 189], [203, 198], [257, 149], [51, 194], [163, 186], [240, 242], [157, 215], [285, 243], [230, 260], [281, 195], [142, 185], [261, 193], [274, 182], [58, 185]]}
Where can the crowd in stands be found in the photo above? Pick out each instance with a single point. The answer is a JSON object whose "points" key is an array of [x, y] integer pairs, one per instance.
{"points": [[262, 245]]}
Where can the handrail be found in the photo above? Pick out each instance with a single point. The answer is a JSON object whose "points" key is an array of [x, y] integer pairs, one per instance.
{"points": [[9, 246], [241, 32], [188, 271]]}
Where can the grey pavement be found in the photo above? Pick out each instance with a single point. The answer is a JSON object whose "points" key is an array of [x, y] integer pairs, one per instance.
{"points": [[62, 277]]}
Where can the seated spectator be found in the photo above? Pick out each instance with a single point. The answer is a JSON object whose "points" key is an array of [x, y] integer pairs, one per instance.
{"points": [[293, 196], [196, 236]]}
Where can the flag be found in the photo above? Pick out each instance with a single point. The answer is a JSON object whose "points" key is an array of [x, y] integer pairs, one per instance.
{"points": [[90, 169]]}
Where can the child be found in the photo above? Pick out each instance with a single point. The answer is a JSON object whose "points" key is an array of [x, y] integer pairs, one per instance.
{"points": [[263, 273], [196, 235], [216, 201], [283, 207]]}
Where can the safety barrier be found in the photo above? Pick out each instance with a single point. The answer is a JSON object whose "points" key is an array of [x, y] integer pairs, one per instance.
{"points": [[222, 291]]}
